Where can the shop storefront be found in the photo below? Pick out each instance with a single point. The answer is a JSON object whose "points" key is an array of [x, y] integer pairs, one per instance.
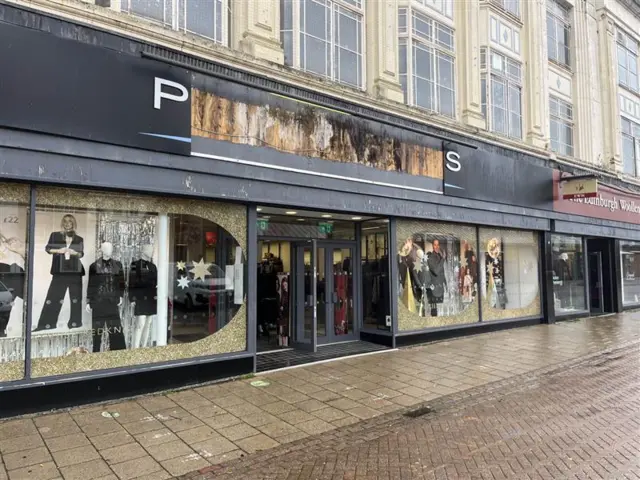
{"points": [[194, 223]]}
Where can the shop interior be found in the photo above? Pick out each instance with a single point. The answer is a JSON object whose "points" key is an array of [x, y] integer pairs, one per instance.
{"points": [[291, 299], [600, 254]]}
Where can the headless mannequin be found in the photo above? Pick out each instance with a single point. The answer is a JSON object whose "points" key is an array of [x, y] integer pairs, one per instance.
{"points": [[143, 295], [104, 297]]}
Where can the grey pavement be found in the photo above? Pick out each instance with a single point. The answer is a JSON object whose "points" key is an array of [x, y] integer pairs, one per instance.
{"points": [[208, 428]]}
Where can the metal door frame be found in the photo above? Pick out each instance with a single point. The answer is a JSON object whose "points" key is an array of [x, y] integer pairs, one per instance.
{"points": [[300, 302], [330, 336]]}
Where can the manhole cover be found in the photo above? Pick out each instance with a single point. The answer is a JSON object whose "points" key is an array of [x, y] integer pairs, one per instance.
{"points": [[419, 412]]}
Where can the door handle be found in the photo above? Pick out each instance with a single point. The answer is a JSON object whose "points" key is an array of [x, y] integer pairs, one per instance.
{"points": [[334, 296]]}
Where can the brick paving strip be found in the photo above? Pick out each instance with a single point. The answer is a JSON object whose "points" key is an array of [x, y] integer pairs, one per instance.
{"points": [[580, 419], [194, 429]]}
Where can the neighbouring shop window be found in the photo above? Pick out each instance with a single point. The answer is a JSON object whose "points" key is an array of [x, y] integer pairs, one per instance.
{"points": [[123, 280], [630, 266], [568, 274], [14, 221], [375, 274], [510, 279], [437, 274]]}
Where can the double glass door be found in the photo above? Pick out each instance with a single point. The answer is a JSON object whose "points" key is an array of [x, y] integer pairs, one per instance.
{"points": [[324, 293]]}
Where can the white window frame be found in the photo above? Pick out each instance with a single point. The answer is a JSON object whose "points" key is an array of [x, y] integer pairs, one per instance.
{"points": [[175, 15], [632, 134], [412, 39], [512, 7], [502, 74], [297, 34], [629, 48], [556, 115], [560, 16]]}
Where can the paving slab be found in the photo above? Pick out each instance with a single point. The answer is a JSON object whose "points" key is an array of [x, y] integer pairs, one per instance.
{"points": [[213, 424]]}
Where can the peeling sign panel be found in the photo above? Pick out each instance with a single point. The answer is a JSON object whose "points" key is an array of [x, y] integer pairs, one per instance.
{"points": [[248, 116]]}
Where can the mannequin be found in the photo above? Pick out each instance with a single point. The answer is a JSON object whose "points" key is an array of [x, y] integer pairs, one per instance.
{"points": [[104, 297], [143, 295], [436, 281], [66, 249]]}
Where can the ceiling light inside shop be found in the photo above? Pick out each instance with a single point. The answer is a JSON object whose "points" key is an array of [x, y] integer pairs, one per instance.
{"points": [[356, 218], [326, 215], [258, 209], [290, 213], [301, 219]]}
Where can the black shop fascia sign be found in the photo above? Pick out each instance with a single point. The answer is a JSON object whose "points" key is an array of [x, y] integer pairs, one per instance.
{"points": [[480, 175], [67, 88]]}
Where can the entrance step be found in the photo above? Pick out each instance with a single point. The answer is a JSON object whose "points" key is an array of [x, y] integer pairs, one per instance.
{"points": [[290, 358]]}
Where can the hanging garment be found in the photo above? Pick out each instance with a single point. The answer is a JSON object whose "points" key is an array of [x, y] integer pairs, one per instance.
{"points": [[106, 287], [143, 287]]}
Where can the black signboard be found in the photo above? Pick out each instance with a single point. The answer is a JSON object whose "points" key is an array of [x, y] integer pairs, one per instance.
{"points": [[67, 88], [490, 177]]}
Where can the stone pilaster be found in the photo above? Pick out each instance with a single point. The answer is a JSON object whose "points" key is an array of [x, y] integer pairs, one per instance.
{"points": [[585, 74], [467, 16], [612, 157], [256, 29], [382, 50], [535, 92]]}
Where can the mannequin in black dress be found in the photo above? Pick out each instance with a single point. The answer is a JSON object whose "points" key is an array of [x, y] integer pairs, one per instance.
{"points": [[143, 295]]}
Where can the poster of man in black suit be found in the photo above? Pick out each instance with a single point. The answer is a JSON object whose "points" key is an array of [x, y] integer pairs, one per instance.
{"points": [[66, 248]]}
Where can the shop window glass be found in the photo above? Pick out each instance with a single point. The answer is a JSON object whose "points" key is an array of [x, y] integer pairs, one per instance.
{"points": [[437, 275], [568, 274], [510, 279], [123, 280], [630, 265], [375, 275], [14, 221]]}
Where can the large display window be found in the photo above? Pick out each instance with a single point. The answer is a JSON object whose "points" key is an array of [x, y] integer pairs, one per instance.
{"points": [[14, 223], [510, 279], [437, 274], [123, 280], [630, 268], [569, 287]]}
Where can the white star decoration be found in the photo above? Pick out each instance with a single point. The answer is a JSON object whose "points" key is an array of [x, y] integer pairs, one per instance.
{"points": [[183, 282], [181, 266], [200, 269]]}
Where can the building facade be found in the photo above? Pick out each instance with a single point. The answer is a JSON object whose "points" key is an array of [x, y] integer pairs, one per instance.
{"points": [[193, 194]]}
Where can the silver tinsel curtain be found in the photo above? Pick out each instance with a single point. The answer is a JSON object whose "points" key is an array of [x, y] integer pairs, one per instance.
{"points": [[128, 232]]}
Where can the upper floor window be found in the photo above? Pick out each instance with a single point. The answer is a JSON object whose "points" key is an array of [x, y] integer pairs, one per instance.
{"points": [[630, 147], [510, 6], [561, 121], [207, 18], [628, 62], [558, 33], [501, 93], [324, 37], [427, 62], [445, 7]]}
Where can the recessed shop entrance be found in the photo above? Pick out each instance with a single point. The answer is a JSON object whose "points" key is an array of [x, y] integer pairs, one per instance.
{"points": [[309, 280], [600, 275]]}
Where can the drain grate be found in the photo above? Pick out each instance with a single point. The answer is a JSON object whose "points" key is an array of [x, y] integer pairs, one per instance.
{"points": [[419, 412]]}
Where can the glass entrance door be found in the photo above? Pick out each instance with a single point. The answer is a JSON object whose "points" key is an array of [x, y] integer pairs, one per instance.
{"points": [[305, 294], [336, 305], [323, 293], [595, 282]]}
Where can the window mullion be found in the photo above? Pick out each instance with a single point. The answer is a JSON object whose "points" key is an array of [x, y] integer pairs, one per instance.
{"points": [[332, 41]]}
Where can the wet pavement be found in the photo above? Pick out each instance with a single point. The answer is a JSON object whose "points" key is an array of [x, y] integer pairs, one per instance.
{"points": [[579, 422], [212, 428]]}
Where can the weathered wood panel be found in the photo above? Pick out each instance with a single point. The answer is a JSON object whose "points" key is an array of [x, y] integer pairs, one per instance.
{"points": [[311, 132]]}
